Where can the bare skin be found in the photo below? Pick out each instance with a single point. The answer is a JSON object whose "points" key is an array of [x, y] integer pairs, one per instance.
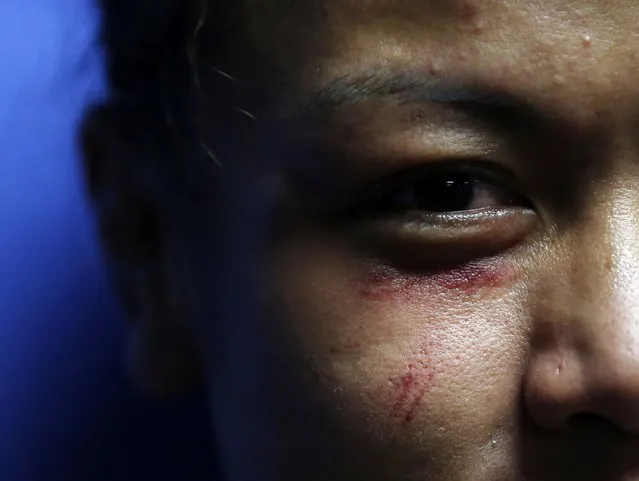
{"points": [[487, 334]]}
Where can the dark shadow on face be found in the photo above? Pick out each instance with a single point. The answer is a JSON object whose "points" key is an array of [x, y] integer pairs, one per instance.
{"points": [[419, 260]]}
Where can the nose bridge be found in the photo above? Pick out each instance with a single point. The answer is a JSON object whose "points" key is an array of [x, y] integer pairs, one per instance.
{"points": [[602, 286], [602, 290], [587, 361], [614, 275]]}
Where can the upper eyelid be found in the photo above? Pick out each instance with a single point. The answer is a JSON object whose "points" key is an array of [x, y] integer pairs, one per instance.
{"points": [[482, 169]]}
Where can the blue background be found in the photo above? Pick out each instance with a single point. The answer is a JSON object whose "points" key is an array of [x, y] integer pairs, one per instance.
{"points": [[66, 410]]}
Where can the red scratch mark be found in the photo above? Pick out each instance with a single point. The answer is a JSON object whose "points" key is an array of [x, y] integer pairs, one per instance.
{"points": [[469, 12], [408, 392], [470, 277], [388, 283]]}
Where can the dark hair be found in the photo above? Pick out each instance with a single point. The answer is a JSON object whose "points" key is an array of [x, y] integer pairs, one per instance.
{"points": [[171, 96], [156, 133]]}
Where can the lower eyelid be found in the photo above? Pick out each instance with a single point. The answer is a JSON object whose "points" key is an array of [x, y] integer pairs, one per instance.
{"points": [[453, 238]]}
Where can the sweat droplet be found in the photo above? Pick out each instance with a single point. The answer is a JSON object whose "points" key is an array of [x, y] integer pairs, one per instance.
{"points": [[587, 41]]}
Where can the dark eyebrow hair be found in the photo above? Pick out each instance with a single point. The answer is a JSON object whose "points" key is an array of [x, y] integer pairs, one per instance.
{"points": [[506, 111], [406, 87]]}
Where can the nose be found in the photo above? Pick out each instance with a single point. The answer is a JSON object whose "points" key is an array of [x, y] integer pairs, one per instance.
{"points": [[584, 359]]}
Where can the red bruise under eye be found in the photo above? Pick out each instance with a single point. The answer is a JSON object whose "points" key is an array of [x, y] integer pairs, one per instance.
{"points": [[388, 283]]}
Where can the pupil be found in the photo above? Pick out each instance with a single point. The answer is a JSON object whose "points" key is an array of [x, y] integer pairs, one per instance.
{"points": [[446, 194]]}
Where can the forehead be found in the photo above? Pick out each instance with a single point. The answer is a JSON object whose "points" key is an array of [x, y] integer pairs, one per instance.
{"points": [[548, 51]]}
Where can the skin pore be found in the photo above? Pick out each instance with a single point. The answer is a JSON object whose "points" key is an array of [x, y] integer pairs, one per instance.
{"points": [[436, 275]]}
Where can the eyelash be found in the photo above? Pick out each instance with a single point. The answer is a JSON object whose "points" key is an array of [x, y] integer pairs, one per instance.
{"points": [[378, 199], [413, 237]]}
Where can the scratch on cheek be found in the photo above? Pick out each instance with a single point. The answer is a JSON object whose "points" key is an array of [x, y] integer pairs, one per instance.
{"points": [[385, 284], [469, 12], [388, 283], [408, 391], [471, 277]]}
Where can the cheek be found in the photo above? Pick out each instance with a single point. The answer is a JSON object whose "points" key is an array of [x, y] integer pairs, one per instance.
{"points": [[407, 391], [433, 316], [408, 349], [387, 284]]}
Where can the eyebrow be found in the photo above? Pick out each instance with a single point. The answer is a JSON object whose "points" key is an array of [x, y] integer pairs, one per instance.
{"points": [[506, 111], [407, 87]]}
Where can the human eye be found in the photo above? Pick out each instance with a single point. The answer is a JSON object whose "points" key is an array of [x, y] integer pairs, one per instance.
{"points": [[450, 211], [446, 191]]}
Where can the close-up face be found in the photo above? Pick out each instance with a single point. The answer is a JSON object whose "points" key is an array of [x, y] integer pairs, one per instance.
{"points": [[431, 244]]}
